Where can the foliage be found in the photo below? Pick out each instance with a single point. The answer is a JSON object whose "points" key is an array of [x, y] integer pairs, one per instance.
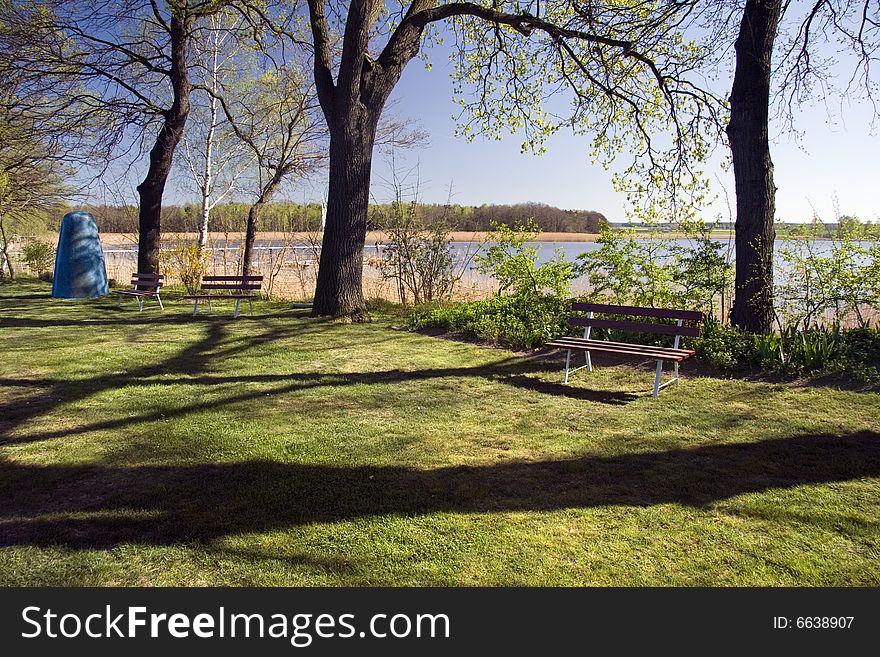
{"points": [[519, 322], [514, 264], [188, 263], [835, 279], [853, 352], [631, 270], [704, 272], [622, 99], [39, 256], [654, 270]]}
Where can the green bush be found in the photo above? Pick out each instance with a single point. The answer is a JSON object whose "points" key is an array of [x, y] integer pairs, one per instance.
{"points": [[722, 346], [514, 265], [39, 256], [511, 321], [189, 263], [855, 352]]}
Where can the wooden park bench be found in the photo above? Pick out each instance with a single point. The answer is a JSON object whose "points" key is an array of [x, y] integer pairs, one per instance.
{"points": [[660, 354], [228, 287], [143, 287]]}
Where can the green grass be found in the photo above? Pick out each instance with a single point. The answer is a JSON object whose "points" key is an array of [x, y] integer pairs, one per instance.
{"points": [[159, 449]]}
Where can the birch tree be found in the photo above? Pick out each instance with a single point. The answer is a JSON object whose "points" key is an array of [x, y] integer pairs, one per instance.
{"points": [[215, 157]]}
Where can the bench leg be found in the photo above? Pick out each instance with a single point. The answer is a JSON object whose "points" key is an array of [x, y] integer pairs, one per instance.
{"points": [[235, 314], [251, 306], [140, 301], [195, 307], [676, 372], [119, 301], [657, 378], [159, 299], [567, 362], [589, 361]]}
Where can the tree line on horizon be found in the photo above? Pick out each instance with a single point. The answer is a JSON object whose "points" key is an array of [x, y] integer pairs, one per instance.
{"points": [[288, 216]]}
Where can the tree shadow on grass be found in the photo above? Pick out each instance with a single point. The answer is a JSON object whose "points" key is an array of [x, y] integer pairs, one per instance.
{"points": [[99, 507], [192, 360], [194, 365], [17, 413]]}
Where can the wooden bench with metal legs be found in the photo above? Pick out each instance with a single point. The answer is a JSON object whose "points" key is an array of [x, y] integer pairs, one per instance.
{"points": [[662, 355], [238, 287], [144, 286]]}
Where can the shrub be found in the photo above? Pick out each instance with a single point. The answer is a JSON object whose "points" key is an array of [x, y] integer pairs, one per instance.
{"points": [[820, 280], [511, 321], [722, 346], [189, 263], [39, 256], [515, 266], [418, 260], [655, 270], [855, 352]]}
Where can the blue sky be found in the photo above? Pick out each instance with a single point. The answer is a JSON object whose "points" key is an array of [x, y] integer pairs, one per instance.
{"points": [[834, 159]]}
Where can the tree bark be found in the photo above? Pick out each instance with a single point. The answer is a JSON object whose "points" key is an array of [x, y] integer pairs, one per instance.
{"points": [[747, 132], [162, 154], [339, 291], [250, 237]]}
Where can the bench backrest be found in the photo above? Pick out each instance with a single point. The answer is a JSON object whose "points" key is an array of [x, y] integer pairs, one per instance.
{"points": [[243, 284], [147, 281], [677, 330]]}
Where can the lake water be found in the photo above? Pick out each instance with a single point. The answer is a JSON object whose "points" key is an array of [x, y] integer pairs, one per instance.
{"points": [[268, 249], [291, 273]]}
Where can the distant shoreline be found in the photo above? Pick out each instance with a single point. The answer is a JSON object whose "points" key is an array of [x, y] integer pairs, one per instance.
{"points": [[373, 237]]}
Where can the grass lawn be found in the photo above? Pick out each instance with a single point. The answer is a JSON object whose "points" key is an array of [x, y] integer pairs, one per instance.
{"points": [[160, 449]]}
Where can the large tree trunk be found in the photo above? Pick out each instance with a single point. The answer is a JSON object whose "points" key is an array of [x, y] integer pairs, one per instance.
{"points": [[753, 168], [162, 153], [339, 291], [352, 107]]}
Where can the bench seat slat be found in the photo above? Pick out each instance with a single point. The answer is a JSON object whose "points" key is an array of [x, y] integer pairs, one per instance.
{"points": [[217, 297], [622, 348], [660, 313], [579, 342], [136, 293], [232, 278], [641, 327]]}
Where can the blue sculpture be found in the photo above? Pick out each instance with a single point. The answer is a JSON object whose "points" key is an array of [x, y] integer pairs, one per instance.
{"points": [[79, 261]]}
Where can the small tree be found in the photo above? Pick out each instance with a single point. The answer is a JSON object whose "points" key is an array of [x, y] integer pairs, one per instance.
{"points": [[839, 276], [514, 264], [39, 256], [704, 271], [215, 156], [418, 258]]}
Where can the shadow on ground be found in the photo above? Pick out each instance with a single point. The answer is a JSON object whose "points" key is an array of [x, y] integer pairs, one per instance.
{"points": [[85, 507]]}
